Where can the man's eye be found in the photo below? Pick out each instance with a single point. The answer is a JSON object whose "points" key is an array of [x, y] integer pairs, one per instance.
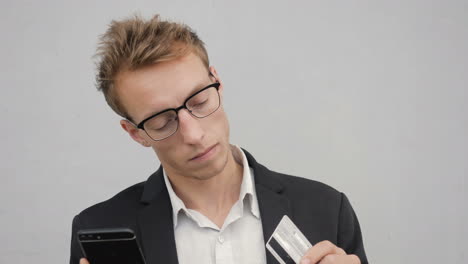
{"points": [[161, 124], [199, 104]]}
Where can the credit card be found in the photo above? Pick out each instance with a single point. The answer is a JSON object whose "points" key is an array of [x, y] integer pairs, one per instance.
{"points": [[287, 243]]}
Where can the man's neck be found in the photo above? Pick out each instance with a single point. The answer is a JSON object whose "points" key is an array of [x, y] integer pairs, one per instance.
{"points": [[213, 197]]}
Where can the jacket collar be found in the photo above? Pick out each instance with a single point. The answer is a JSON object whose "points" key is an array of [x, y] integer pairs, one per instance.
{"points": [[153, 186], [155, 218], [155, 222]]}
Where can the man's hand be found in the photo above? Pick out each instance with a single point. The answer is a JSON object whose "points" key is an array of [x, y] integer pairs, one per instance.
{"points": [[84, 261], [326, 252]]}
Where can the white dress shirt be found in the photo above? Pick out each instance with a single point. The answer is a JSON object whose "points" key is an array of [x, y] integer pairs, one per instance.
{"points": [[238, 241]]}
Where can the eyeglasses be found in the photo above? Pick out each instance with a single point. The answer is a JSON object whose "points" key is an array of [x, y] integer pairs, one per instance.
{"points": [[165, 123]]}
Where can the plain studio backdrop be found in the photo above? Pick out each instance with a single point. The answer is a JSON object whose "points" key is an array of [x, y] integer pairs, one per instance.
{"points": [[370, 97]]}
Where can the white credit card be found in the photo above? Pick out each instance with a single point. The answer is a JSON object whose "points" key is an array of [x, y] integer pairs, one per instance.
{"points": [[287, 243]]}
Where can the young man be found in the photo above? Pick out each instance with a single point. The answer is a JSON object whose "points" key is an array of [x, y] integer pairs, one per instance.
{"points": [[210, 201]]}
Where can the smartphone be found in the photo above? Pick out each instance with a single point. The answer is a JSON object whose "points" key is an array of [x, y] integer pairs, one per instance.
{"points": [[110, 245]]}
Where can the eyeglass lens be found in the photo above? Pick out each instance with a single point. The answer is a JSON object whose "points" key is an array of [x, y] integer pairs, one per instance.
{"points": [[166, 123]]}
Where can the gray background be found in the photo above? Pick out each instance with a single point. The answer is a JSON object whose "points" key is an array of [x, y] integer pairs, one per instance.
{"points": [[369, 97]]}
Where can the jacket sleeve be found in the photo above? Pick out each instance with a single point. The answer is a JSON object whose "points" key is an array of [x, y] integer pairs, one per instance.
{"points": [[349, 231], [75, 249]]}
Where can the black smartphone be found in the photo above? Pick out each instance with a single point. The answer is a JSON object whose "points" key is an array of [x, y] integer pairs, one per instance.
{"points": [[110, 245]]}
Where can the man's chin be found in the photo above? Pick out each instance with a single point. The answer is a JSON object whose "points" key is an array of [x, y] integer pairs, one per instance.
{"points": [[210, 169], [203, 177]]}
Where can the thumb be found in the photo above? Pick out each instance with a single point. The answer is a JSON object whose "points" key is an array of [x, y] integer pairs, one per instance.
{"points": [[84, 261]]}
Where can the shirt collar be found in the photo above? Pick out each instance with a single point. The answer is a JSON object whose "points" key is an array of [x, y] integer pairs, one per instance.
{"points": [[247, 185], [247, 188], [176, 202]]}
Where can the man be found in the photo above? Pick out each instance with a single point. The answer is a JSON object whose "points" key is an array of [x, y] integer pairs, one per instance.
{"points": [[210, 201]]}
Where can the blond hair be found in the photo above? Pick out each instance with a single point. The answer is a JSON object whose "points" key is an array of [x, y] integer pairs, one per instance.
{"points": [[133, 43]]}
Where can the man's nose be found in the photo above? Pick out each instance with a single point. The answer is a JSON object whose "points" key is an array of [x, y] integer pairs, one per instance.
{"points": [[190, 128]]}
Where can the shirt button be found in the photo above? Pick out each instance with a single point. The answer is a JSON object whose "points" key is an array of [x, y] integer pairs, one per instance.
{"points": [[221, 239]]}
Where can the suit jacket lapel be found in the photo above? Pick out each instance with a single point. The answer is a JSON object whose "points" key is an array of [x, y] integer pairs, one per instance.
{"points": [[155, 222], [273, 206]]}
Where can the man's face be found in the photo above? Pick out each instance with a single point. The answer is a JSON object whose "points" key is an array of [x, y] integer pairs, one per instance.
{"points": [[166, 85]]}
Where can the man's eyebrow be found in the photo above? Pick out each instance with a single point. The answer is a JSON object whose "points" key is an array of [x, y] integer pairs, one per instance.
{"points": [[195, 89]]}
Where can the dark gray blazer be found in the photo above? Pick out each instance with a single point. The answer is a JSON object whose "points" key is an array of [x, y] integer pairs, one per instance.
{"points": [[320, 212]]}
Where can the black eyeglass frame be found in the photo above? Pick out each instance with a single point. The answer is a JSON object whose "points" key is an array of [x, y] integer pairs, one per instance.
{"points": [[183, 106]]}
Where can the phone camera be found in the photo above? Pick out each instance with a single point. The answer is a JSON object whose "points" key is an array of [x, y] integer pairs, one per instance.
{"points": [[98, 237]]}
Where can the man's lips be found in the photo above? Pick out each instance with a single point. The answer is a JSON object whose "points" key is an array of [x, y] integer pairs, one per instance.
{"points": [[201, 154]]}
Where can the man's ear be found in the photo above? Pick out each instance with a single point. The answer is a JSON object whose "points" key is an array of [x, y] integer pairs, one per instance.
{"points": [[135, 133], [214, 73]]}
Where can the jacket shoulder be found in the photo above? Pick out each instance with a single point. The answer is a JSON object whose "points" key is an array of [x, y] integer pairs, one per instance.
{"points": [[303, 187], [301, 183], [289, 184], [121, 204]]}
